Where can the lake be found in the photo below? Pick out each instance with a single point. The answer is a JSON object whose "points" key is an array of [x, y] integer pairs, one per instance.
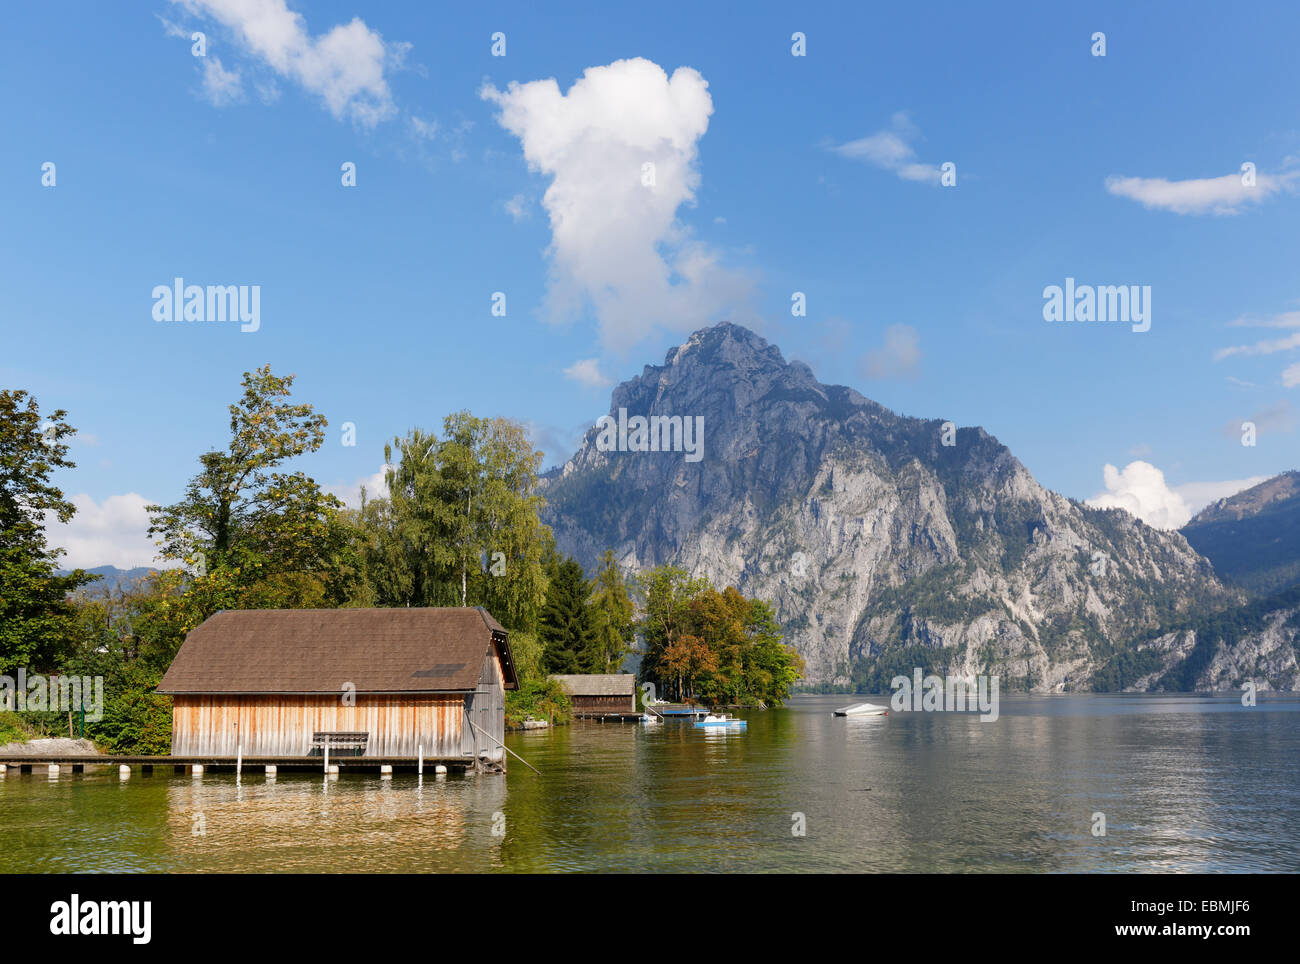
{"points": [[1185, 783]]}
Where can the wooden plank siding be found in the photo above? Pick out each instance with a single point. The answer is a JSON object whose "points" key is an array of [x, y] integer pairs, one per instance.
{"points": [[282, 725], [610, 704]]}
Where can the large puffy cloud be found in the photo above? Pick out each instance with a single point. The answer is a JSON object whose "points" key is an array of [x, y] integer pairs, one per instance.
{"points": [[1204, 195], [344, 67], [1141, 490], [112, 533], [621, 148]]}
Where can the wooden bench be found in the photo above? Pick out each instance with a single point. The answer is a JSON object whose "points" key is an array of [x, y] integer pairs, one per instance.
{"points": [[343, 743]]}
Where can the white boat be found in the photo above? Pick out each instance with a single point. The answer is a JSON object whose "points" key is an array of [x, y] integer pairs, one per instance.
{"points": [[862, 709], [721, 719], [650, 719]]}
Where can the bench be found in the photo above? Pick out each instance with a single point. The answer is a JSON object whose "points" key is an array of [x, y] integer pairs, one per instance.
{"points": [[343, 743]]}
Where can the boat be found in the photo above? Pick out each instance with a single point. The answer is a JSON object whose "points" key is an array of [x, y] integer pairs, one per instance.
{"points": [[862, 709], [721, 720], [649, 719]]}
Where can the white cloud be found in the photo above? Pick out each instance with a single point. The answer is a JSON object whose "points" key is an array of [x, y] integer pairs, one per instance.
{"points": [[1140, 489], [587, 373], [376, 487], [616, 242], [891, 149], [517, 207], [1267, 347], [1206, 195], [899, 356], [221, 87], [114, 533], [344, 67], [424, 130]]}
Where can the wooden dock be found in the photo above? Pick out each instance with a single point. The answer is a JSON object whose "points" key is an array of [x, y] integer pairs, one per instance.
{"points": [[228, 764], [666, 710]]}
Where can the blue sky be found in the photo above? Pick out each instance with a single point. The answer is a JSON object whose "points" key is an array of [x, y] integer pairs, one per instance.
{"points": [[774, 174]]}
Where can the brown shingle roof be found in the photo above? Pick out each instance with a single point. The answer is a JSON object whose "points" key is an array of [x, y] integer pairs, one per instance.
{"points": [[598, 684], [321, 650]]}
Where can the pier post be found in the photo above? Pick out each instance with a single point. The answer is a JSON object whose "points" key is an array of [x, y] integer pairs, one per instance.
{"points": [[270, 769], [386, 771], [419, 766], [124, 772], [3, 769], [196, 770], [440, 770], [53, 769], [327, 756], [239, 758]]}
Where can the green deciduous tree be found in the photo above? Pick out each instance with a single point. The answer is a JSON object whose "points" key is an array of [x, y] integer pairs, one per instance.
{"points": [[36, 623], [252, 535], [613, 615], [460, 525]]}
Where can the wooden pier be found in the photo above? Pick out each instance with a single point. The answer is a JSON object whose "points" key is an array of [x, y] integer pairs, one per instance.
{"points": [[665, 710], [228, 764]]}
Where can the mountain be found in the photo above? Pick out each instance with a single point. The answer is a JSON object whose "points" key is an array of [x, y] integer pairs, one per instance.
{"points": [[111, 578], [884, 542], [1253, 538]]}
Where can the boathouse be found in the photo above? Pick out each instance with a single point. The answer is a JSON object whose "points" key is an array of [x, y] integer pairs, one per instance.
{"points": [[367, 682], [597, 694]]}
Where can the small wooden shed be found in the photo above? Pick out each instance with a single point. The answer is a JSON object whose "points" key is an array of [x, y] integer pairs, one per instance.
{"points": [[269, 683], [597, 693]]}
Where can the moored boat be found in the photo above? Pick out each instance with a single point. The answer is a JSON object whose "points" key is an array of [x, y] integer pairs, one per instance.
{"points": [[721, 720], [862, 709]]}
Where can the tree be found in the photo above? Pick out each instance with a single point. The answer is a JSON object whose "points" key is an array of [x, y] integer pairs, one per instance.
{"points": [[254, 536], [566, 629], [668, 592], [719, 646], [613, 615], [36, 621], [463, 525]]}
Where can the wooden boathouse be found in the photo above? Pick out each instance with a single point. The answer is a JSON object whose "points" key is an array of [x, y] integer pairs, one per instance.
{"points": [[600, 694], [381, 683]]}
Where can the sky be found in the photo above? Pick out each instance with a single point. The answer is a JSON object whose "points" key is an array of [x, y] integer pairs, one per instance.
{"points": [[546, 201]]}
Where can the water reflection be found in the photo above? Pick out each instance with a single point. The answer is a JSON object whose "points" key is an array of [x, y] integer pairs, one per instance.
{"points": [[1184, 783]]}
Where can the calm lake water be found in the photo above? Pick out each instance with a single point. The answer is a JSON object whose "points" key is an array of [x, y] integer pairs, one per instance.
{"points": [[1185, 783]]}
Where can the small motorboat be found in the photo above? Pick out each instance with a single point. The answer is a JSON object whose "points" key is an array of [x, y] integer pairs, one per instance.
{"points": [[721, 720], [862, 709], [650, 719]]}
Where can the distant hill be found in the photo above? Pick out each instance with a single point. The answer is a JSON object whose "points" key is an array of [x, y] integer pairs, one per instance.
{"points": [[111, 578], [1253, 538]]}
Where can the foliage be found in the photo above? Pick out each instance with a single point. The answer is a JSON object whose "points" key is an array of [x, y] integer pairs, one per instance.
{"points": [[254, 537], [538, 699], [613, 616], [717, 646], [566, 628], [460, 525], [36, 622]]}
